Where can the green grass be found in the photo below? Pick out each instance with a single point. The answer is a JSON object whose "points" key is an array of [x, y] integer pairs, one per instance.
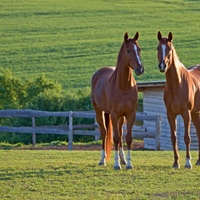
{"points": [[9, 146], [69, 40], [26, 174]]}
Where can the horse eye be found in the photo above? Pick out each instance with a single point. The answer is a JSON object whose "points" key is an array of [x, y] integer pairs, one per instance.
{"points": [[128, 51]]}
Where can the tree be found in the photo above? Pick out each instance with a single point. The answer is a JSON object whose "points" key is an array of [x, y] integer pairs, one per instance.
{"points": [[12, 91]]}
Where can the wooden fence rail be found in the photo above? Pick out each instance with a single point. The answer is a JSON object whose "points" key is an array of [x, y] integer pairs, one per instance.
{"points": [[70, 129]]}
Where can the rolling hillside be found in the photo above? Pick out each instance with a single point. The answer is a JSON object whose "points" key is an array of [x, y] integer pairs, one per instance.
{"points": [[68, 40]]}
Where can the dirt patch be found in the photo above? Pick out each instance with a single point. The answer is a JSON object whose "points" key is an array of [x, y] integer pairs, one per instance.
{"points": [[86, 147]]}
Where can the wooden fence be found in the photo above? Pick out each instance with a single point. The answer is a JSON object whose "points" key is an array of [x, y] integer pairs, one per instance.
{"points": [[70, 129]]}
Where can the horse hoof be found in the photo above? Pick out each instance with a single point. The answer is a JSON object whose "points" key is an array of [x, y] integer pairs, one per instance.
{"points": [[129, 167], [103, 164], [198, 163], [188, 166], [123, 162], [117, 167], [176, 166]]}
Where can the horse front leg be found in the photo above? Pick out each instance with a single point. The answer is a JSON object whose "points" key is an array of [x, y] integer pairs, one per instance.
{"points": [[116, 138], [172, 123], [130, 121], [187, 139], [121, 150]]}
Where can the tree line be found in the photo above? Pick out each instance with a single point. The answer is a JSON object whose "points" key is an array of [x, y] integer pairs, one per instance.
{"points": [[39, 93]]}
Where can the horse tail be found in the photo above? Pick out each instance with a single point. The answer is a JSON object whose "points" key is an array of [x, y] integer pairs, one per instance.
{"points": [[109, 136]]}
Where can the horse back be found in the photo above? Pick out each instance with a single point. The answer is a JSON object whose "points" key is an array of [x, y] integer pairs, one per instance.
{"points": [[100, 81], [195, 67], [102, 75], [194, 72]]}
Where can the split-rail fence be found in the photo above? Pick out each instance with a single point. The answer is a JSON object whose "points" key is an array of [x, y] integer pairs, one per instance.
{"points": [[139, 132]]}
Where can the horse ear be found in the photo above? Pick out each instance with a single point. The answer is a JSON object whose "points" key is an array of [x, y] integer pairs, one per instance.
{"points": [[126, 36], [159, 35], [136, 37], [170, 36]]}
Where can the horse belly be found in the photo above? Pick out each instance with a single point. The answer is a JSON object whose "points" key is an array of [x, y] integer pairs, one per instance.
{"points": [[126, 108], [125, 103], [174, 105], [197, 102]]}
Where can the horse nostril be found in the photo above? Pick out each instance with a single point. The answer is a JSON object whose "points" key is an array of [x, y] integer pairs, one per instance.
{"points": [[162, 67], [140, 70]]}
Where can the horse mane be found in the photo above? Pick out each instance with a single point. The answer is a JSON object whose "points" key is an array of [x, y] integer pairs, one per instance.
{"points": [[176, 60], [119, 55], [114, 74]]}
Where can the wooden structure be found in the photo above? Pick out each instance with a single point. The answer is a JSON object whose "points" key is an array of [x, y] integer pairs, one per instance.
{"points": [[153, 104], [71, 129]]}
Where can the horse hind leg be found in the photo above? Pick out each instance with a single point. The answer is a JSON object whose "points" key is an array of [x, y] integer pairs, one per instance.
{"points": [[187, 139], [196, 122], [130, 122], [101, 122]]}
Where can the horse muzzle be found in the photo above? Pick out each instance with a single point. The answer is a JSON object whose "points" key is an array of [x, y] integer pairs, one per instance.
{"points": [[139, 70], [162, 67]]}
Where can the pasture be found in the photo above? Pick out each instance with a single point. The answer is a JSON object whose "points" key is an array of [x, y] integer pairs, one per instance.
{"points": [[69, 40], [53, 174]]}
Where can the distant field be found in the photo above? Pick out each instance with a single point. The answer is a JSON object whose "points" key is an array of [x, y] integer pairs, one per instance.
{"points": [[51, 174], [69, 40]]}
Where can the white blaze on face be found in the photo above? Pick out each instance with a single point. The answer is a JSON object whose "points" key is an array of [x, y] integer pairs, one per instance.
{"points": [[136, 53], [163, 51], [163, 46]]}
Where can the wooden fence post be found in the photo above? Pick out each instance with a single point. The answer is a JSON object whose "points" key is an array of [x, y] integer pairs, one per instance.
{"points": [[70, 142], [158, 130], [33, 134]]}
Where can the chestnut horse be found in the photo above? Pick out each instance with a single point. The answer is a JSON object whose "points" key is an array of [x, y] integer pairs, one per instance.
{"points": [[114, 96], [181, 95]]}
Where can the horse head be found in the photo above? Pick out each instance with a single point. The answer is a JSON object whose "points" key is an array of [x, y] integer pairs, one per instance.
{"points": [[164, 48], [132, 54]]}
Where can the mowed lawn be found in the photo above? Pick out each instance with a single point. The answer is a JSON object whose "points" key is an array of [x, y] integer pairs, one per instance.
{"points": [[53, 174], [69, 40]]}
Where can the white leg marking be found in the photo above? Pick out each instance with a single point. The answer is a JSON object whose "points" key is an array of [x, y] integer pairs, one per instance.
{"points": [[122, 156], [117, 163], [103, 158], [188, 163], [136, 53], [129, 165]]}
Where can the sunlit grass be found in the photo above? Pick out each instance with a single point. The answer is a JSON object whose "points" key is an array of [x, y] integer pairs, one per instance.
{"points": [[76, 175], [69, 40]]}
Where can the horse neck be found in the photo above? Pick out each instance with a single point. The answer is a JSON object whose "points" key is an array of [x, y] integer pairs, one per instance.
{"points": [[175, 72], [123, 73]]}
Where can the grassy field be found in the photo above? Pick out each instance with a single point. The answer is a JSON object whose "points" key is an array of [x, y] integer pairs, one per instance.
{"points": [[69, 40], [26, 174]]}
